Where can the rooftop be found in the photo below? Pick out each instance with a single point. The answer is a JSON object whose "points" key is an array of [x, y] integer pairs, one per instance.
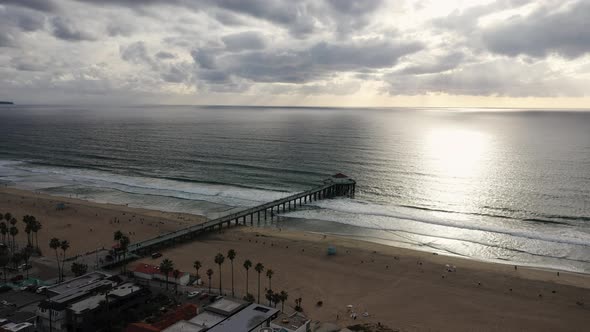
{"points": [[246, 319], [12, 327], [292, 322], [226, 306], [207, 319], [184, 326], [78, 282]]}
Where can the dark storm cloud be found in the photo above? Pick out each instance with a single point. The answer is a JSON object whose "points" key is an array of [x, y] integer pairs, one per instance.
{"points": [[366, 54], [545, 31], [40, 5], [247, 40], [300, 17], [320, 61], [65, 29], [14, 21], [204, 58]]}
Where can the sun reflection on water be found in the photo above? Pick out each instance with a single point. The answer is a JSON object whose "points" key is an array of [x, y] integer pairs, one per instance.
{"points": [[458, 160]]}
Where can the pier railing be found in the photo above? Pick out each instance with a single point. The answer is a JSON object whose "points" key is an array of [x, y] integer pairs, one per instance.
{"points": [[331, 188]]}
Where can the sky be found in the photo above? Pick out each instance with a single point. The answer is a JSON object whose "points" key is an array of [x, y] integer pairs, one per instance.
{"points": [[383, 53]]}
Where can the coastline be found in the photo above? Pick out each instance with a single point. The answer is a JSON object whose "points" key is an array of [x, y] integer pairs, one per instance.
{"points": [[402, 288]]}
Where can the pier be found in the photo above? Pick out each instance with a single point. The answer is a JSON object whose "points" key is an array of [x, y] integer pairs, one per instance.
{"points": [[338, 185]]}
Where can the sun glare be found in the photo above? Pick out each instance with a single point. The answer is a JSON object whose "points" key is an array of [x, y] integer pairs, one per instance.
{"points": [[456, 153]]}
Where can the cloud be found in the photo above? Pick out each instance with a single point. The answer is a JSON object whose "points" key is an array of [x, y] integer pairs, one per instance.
{"points": [[444, 63], [163, 55], [65, 29], [500, 77], [40, 5], [319, 61], [136, 53], [247, 40], [295, 47], [548, 30]]}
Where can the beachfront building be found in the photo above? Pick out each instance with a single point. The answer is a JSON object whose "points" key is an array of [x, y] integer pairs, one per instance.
{"points": [[80, 304], [150, 272], [228, 315], [182, 313], [17, 327], [295, 322]]}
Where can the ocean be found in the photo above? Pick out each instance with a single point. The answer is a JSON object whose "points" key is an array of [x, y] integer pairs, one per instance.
{"points": [[503, 185]]}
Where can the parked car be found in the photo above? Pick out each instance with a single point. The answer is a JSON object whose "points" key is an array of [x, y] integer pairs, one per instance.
{"points": [[203, 296], [41, 289], [192, 294], [25, 267], [156, 255]]}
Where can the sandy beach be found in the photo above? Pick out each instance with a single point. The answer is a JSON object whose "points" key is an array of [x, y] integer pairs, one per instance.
{"points": [[87, 225], [404, 289]]}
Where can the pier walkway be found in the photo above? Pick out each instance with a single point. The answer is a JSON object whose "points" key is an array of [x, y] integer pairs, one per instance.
{"points": [[338, 185]]}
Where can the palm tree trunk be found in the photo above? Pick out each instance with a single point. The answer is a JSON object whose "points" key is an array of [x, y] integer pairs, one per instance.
{"points": [[258, 287], [246, 282], [283, 306], [63, 264], [58, 266], [219, 279], [232, 278], [166, 281]]}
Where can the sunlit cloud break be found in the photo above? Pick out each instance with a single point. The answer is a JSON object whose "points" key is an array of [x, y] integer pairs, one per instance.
{"points": [[297, 52]]}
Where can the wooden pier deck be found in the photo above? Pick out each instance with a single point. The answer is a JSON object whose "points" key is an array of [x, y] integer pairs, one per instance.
{"points": [[338, 185]]}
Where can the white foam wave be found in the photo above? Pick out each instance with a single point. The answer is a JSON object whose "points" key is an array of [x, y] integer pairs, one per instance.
{"points": [[36, 177], [393, 218]]}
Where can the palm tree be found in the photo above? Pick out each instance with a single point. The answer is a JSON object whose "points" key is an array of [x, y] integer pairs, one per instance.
{"points": [[26, 256], [7, 216], [54, 244], [231, 254], [197, 265], [247, 266], [166, 266], [123, 245], [64, 245], [4, 258], [219, 259], [269, 274], [176, 275], [283, 297], [28, 227], [13, 233], [3, 230], [36, 228], [117, 237], [276, 298], [259, 268], [269, 296], [209, 274]]}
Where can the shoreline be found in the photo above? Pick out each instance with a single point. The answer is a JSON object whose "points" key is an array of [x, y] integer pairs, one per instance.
{"points": [[187, 219], [402, 288]]}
